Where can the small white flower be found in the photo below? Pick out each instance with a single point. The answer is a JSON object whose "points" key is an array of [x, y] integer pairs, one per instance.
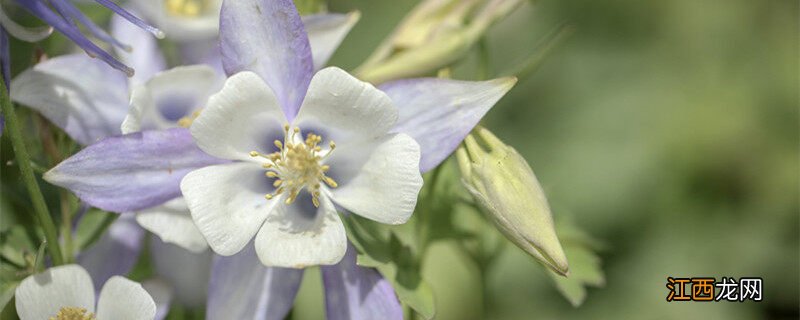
{"points": [[66, 293], [288, 174]]}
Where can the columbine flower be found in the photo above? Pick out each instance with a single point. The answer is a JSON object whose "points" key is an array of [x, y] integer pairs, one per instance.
{"points": [[66, 293], [138, 171], [63, 16], [377, 172]]}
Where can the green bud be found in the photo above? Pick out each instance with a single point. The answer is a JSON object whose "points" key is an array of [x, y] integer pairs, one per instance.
{"points": [[504, 186], [435, 34]]}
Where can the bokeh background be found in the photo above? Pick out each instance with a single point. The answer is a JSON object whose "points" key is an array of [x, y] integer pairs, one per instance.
{"points": [[667, 129]]}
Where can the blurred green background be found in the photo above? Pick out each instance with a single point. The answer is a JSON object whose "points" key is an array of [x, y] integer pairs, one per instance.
{"points": [[668, 129]]}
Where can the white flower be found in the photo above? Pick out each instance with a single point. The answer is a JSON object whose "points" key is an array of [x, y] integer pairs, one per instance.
{"points": [[183, 20], [288, 174], [66, 293]]}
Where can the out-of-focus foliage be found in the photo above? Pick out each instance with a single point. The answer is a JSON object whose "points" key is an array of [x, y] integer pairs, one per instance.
{"points": [[668, 129]]}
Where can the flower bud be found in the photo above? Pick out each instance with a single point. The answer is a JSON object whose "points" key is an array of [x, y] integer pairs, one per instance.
{"points": [[505, 188], [433, 35]]}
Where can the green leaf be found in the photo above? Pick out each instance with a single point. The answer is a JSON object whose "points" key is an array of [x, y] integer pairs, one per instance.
{"points": [[14, 243], [380, 248], [584, 264], [7, 293]]}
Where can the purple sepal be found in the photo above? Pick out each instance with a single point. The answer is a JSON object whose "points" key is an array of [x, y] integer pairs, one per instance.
{"points": [[268, 38], [354, 292], [243, 288], [439, 113], [115, 253], [131, 172]]}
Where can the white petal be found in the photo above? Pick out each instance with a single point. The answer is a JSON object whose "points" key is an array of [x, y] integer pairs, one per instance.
{"points": [[182, 28], [185, 271], [325, 32], [40, 296], [173, 223], [123, 299], [244, 116], [227, 203], [88, 108], [299, 235], [28, 34], [161, 294], [386, 188], [169, 96], [345, 109]]}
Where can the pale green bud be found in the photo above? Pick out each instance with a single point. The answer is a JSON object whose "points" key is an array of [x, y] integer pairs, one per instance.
{"points": [[433, 35], [504, 186]]}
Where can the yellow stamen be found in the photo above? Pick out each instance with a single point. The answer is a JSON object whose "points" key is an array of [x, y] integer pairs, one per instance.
{"points": [[73, 313], [187, 121], [297, 165], [186, 8]]}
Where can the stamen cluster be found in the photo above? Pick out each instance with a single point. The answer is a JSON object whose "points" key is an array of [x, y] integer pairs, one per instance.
{"points": [[186, 8], [73, 313], [297, 164]]}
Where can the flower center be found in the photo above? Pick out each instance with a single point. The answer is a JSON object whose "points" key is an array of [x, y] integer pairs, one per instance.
{"points": [[73, 313], [186, 8], [297, 164]]}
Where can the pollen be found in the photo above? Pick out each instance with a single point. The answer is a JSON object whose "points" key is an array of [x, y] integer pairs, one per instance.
{"points": [[73, 313], [297, 165], [187, 121], [186, 8]]}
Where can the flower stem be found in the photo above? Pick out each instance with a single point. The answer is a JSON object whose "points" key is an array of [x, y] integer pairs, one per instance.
{"points": [[24, 161]]}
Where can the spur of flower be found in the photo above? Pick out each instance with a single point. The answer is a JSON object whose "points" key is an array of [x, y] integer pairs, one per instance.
{"points": [[66, 293], [64, 17]]}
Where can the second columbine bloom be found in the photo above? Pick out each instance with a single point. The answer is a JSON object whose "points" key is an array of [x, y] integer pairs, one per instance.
{"points": [[288, 177]]}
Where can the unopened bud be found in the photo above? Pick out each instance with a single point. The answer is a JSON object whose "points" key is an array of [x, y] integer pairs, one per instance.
{"points": [[505, 187], [433, 35]]}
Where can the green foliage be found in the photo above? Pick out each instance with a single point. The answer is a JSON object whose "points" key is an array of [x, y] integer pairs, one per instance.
{"points": [[380, 248], [584, 263]]}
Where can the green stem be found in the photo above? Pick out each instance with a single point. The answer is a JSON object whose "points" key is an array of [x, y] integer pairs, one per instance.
{"points": [[543, 50], [66, 224], [24, 162], [422, 227], [483, 60]]}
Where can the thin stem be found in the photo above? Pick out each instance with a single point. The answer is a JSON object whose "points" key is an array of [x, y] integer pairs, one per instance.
{"points": [[422, 227], [543, 50], [55, 156], [66, 224], [483, 59], [24, 162]]}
